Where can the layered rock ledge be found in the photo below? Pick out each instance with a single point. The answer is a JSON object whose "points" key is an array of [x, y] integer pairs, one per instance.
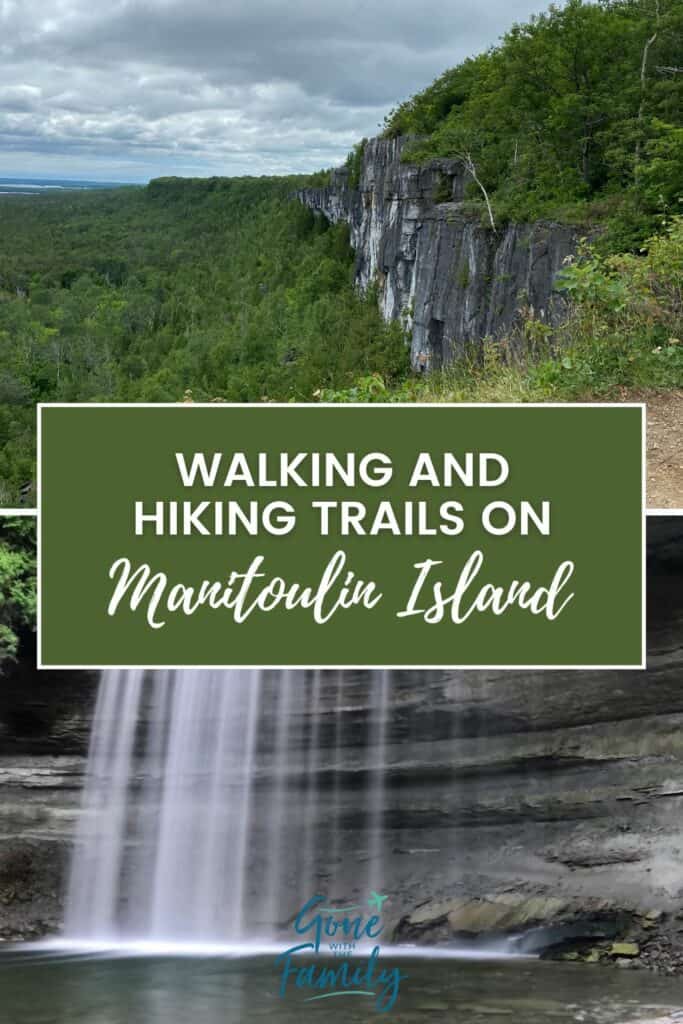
{"points": [[449, 277]]}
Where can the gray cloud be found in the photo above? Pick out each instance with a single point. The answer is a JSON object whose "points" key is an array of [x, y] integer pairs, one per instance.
{"points": [[132, 88]]}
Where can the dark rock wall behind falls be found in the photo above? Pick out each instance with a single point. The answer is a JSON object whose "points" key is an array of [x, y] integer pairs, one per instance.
{"points": [[452, 280], [559, 791]]}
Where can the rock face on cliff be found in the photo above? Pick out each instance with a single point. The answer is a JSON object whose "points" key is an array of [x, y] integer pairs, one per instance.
{"points": [[452, 280], [44, 727]]}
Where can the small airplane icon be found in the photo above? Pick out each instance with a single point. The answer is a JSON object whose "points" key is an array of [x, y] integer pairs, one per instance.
{"points": [[376, 900]]}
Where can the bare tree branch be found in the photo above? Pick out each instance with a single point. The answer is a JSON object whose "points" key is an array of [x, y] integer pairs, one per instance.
{"points": [[470, 166], [643, 80]]}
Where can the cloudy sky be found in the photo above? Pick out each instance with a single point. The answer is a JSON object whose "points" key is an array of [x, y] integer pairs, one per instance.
{"points": [[124, 90]]}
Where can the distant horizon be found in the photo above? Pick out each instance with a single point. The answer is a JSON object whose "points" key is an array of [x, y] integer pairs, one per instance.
{"points": [[29, 185], [35, 179]]}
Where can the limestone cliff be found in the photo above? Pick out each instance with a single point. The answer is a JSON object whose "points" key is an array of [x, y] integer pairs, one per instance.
{"points": [[451, 279], [45, 722]]}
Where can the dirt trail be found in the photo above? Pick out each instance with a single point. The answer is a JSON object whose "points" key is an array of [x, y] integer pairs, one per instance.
{"points": [[664, 449]]}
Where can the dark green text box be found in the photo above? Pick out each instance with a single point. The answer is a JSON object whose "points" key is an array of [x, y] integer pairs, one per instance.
{"points": [[97, 461]]}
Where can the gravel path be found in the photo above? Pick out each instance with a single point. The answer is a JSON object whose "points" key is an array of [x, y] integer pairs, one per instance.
{"points": [[664, 451]]}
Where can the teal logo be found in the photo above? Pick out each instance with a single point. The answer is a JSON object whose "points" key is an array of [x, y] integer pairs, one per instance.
{"points": [[339, 954]]}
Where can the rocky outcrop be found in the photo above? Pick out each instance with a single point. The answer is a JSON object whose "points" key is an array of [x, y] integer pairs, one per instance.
{"points": [[593, 930], [542, 809], [449, 277], [44, 727]]}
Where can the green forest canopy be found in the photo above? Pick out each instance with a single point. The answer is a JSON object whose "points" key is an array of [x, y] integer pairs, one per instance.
{"points": [[576, 114], [228, 288], [17, 582]]}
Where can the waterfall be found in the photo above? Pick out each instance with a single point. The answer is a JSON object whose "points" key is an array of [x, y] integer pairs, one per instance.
{"points": [[376, 789], [211, 809]]}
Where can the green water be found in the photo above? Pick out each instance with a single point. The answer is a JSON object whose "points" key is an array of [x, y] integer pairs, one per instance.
{"points": [[42, 988]]}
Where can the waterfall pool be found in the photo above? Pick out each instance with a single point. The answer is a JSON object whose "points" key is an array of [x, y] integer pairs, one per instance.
{"points": [[49, 986], [231, 822]]}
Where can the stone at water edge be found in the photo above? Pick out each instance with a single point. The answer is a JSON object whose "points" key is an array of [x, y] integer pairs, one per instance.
{"points": [[625, 949], [674, 1018]]}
